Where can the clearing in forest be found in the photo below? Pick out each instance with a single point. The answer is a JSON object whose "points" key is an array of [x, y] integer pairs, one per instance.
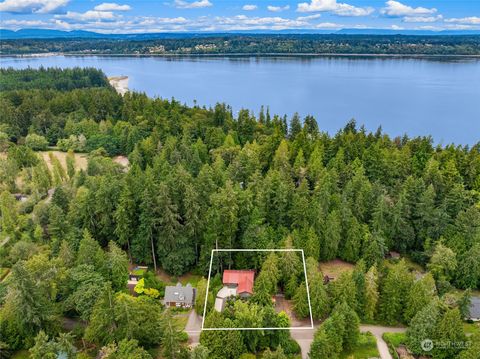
{"points": [[240, 284]]}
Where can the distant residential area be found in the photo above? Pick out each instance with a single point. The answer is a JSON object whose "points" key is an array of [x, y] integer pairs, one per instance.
{"points": [[137, 226]]}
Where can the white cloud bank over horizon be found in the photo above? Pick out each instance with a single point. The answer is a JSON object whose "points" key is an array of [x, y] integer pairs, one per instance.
{"points": [[32, 6], [335, 7]]}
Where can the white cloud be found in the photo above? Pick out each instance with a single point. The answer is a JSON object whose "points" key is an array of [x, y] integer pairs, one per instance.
{"points": [[111, 6], [278, 8], [422, 18], [149, 21], [472, 20], [32, 6], [396, 27], [249, 7], [397, 9], [309, 17], [328, 26], [182, 4], [91, 15], [20, 24], [340, 9]]}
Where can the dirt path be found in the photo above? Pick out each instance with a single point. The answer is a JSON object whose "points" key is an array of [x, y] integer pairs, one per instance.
{"points": [[5, 241]]}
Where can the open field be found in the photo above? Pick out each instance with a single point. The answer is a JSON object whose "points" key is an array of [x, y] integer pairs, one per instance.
{"points": [[335, 268], [184, 279], [80, 159]]}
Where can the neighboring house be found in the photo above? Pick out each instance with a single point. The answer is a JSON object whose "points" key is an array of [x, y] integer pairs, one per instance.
{"points": [[134, 276], [236, 283], [179, 296], [474, 309]]}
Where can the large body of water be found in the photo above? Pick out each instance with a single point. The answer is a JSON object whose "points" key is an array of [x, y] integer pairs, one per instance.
{"points": [[403, 95]]}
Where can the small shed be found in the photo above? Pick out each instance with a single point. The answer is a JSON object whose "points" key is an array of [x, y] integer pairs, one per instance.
{"points": [[327, 279], [393, 255], [180, 296]]}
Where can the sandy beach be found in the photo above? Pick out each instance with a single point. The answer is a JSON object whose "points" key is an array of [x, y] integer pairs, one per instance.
{"points": [[120, 83]]}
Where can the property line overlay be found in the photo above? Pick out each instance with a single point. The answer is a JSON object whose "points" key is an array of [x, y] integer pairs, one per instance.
{"points": [[259, 250]]}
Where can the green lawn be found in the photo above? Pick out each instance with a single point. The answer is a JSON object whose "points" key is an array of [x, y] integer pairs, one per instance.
{"points": [[366, 348], [21, 354], [181, 320], [471, 328], [139, 271], [395, 339], [3, 273]]}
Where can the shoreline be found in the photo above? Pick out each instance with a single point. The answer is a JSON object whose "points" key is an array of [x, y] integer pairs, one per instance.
{"points": [[119, 83], [257, 55]]}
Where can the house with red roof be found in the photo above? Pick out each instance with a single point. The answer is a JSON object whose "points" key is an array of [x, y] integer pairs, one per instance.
{"points": [[235, 283], [241, 279]]}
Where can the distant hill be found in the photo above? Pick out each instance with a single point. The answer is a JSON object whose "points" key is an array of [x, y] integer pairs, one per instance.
{"points": [[56, 34], [405, 32], [46, 34]]}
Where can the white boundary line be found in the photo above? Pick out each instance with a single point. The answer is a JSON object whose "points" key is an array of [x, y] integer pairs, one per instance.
{"points": [[259, 250]]}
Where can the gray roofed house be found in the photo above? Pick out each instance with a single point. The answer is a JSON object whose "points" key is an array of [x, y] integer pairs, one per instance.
{"points": [[179, 296], [474, 309]]}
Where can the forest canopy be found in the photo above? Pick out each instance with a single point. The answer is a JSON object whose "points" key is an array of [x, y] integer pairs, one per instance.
{"points": [[196, 178], [254, 44]]}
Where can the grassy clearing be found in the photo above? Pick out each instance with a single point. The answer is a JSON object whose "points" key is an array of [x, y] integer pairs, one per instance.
{"points": [[181, 320], [366, 348], [335, 268], [80, 159], [184, 279], [3, 273], [21, 354], [395, 339], [471, 328]]}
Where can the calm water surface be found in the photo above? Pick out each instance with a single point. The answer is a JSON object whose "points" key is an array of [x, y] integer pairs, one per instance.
{"points": [[413, 96]]}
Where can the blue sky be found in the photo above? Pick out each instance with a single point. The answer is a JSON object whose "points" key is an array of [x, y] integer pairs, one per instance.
{"points": [[134, 16]]}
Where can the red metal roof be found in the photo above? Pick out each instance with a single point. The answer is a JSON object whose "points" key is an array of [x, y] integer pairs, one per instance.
{"points": [[242, 278]]}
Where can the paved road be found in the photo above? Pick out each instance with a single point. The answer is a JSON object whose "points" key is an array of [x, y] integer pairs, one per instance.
{"points": [[193, 328], [378, 331], [304, 337]]}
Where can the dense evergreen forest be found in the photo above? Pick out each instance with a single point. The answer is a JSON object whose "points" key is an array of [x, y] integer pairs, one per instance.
{"points": [[254, 44], [201, 178]]}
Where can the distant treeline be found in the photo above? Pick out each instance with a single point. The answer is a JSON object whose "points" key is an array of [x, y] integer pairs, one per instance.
{"points": [[51, 79], [256, 44]]}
